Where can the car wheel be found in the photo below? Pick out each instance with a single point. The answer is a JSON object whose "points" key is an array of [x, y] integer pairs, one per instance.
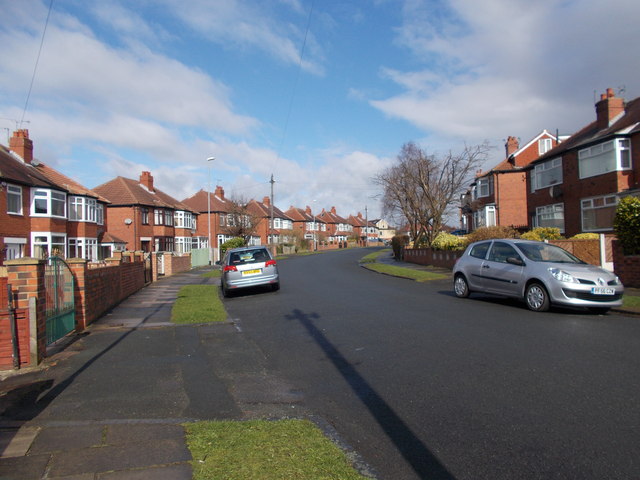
{"points": [[225, 292], [461, 287], [599, 310], [537, 298]]}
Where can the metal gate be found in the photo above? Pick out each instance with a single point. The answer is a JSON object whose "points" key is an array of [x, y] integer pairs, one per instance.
{"points": [[59, 304]]}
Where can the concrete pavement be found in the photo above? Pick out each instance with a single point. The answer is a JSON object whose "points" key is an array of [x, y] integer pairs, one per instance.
{"points": [[101, 413]]}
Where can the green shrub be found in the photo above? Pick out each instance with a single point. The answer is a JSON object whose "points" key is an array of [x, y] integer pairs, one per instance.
{"points": [[397, 244], [233, 243], [542, 233], [446, 241], [487, 233], [586, 236], [627, 225]]}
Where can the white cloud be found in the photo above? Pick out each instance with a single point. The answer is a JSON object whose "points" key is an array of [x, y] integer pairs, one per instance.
{"points": [[505, 67]]}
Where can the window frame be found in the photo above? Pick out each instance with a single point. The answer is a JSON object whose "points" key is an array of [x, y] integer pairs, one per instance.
{"points": [[542, 167], [14, 194], [593, 207], [49, 197], [597, 151], [551, 209]]}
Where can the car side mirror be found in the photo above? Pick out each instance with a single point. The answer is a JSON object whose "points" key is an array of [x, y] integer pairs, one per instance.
{"points": [[515, 261], [218, 262]]}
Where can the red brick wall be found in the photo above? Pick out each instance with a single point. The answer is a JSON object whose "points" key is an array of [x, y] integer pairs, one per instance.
{"points": [[6, 345], [436, 258], [627, 267], [511, 192], [175, 264]]}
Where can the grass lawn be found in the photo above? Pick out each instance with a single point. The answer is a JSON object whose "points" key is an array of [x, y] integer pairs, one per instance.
{"points": [[265, 450], [631, 301], [198, 304], [212, 274], [372, 257], [417, 275]]}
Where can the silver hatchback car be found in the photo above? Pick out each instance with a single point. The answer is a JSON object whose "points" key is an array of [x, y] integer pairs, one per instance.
{"points": [[539, 273], [248, 267]]}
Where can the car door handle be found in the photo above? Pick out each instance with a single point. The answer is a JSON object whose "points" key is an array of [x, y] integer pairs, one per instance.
{"points": [[486, 266]]}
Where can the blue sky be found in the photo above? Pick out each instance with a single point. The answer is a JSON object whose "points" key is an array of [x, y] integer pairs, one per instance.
{"points": [[322, 94]]}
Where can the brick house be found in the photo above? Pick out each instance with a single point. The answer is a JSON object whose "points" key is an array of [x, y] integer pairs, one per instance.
{"points": [[338, 229], [148, 219], [307, 223], [577, 185], [44, 212], [363, 229], [497, 196], [282, 229], [216, 212]]}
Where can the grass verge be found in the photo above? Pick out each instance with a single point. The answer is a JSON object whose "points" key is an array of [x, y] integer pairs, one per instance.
{"points": [[632, 302], [198, 304], [372, 257], [265, 450], [212, 274], [410, 273]]}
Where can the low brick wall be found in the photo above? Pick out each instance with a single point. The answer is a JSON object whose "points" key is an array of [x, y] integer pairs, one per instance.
{"points": [[6, 344], [176, 263], [428, 256], [627, 267]]}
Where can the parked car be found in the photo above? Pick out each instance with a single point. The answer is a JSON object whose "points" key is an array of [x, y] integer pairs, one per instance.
{"points": [[248, 267], [539, 273]]}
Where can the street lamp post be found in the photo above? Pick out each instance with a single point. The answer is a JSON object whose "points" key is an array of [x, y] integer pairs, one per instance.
{"points": [[210, 159]]}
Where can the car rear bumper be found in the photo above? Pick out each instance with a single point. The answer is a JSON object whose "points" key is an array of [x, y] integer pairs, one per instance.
{"points": [[253, 281]]}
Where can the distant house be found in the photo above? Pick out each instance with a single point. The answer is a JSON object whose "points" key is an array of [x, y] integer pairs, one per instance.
{"points": [[364, 230], [148, 219], [215, 216], [577, 185], [338, 228], [385, 230], [306, 222], [281, 231], [42, 211], [499, 196]]}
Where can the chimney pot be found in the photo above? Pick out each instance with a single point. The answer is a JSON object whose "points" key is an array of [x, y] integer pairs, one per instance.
{"points": [[147, 180], [21, 144]]}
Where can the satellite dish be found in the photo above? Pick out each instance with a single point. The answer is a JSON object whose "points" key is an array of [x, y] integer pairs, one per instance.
{"points": [[128, 221]]}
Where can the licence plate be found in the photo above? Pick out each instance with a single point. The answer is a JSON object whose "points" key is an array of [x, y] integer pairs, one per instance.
{"points": [[603, 291], [251, 272]]}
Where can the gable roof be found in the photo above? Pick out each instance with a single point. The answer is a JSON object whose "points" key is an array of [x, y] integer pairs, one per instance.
{"points": [[202, 200], [331, 216], [127, 192], [626, 124], [262, 209], [13, 169], [69, 184], [301, 215]]}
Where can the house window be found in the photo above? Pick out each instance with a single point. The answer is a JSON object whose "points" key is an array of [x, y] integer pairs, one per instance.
{"points": [[14, 199], [184, 220], [14, 248], [100, 214], [287, 225], [484, 187], [605, 157], [86, 248], [145, 215], [45, 244], [158, 217], [547, 173], [485, 217], [598, 213], [550, 216], [48, 203], [168, 217], [544, 145], [183, 244], [83, 209]]}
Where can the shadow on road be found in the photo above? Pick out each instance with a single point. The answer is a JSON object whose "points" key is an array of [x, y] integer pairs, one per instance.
{"points": [[423, 462]]}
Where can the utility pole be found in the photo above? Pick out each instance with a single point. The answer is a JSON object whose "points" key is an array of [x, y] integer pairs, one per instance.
{"points": [[366, 228], [271, 182]]}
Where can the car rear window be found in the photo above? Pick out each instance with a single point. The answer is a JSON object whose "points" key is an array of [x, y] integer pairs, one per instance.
{"points": [[248, 256], [480, 250]]}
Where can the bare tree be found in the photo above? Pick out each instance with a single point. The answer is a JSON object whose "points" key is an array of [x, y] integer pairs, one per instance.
{"points": [[425, 188], [240, 221]]}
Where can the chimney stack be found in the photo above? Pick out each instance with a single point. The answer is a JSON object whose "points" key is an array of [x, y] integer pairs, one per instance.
{"points": [[147, 180], [608, 109], [266, 201], [333, 210], [307, 210], [219, 192], [511, 146], [20, 144]]}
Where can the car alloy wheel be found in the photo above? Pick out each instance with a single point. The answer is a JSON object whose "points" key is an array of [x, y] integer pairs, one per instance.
{"points": [[461, 287], [537, 298]]}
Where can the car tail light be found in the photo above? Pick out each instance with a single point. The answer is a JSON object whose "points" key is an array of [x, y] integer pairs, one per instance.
{"points": [[270, 263], [230, 268]]}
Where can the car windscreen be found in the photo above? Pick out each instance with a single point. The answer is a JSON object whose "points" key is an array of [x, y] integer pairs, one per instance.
{"points": [[248, 256], [544, 252]]}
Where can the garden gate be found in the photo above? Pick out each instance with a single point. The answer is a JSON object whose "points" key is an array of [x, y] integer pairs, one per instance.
{"points": [[59, 303]]}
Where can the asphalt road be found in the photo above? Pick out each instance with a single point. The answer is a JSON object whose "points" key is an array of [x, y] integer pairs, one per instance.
{"points": [[424, 385]]}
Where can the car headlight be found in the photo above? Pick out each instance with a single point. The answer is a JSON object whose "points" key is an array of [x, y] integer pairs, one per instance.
{"points": [[562, 276]]}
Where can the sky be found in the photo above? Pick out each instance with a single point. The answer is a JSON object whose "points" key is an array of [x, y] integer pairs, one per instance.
{"points": [[321, 94]]}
